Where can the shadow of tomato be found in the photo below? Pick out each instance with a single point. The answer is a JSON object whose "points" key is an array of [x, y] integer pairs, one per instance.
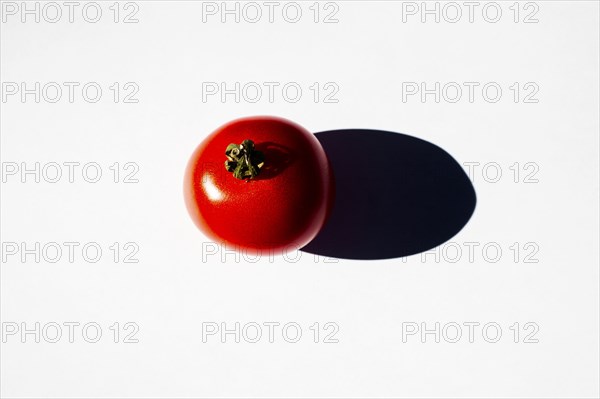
{"points": [[396, 196]]}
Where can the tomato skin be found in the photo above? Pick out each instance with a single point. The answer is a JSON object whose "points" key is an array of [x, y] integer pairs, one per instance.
{"points": [[281, 209]]}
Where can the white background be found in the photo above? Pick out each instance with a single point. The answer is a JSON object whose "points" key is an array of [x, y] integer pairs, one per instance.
{"points": [[172, 290]]}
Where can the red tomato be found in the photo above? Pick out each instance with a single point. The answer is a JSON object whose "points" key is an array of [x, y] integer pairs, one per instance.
{"points": [[275, 196]]}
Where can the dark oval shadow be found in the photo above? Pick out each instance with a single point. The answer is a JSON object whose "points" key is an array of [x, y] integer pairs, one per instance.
{"points": [[277, 158], [396, 196]]}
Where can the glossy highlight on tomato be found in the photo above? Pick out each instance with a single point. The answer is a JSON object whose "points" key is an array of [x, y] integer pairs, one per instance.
{"points": [[259, 183]]}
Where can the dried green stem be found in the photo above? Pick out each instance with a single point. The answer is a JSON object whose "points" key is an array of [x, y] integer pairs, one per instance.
{"points": [[243, 160]]}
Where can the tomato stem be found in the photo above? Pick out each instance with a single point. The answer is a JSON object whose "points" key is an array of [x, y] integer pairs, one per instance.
{"points": [[243, 160]]}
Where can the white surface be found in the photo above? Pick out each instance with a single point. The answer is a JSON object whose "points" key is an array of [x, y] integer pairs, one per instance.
{"points": [[171, 291]]}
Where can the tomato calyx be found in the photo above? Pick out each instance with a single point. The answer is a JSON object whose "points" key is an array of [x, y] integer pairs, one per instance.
{"points": [[244, 160]]}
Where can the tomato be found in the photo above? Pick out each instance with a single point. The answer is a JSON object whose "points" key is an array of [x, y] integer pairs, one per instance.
{"points": [[259, 183]]}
